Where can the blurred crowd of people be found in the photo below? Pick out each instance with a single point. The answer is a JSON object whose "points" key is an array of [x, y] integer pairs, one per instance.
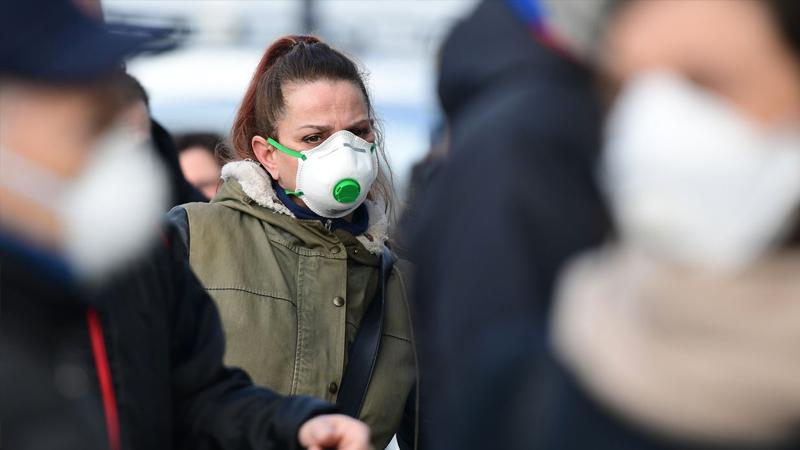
{"points": [[599, 251]]}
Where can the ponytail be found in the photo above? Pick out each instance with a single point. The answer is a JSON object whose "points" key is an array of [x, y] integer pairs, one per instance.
{"points": [[291, 59], [246, 125]]}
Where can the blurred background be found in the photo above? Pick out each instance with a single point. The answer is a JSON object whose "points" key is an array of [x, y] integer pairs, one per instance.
{"points": [[199, 86]]}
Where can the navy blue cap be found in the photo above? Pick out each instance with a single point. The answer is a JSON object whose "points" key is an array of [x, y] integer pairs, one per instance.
{"points": [[53, 40]]}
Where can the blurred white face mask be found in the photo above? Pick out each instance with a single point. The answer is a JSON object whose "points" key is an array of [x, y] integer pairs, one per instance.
{"points": [[110, 212], [691, 179]]}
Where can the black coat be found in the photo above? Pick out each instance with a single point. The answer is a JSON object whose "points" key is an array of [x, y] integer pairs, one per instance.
{"points": [[164, 343], [515, 199]]}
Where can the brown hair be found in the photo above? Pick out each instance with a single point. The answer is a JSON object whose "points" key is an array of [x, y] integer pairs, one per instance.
{"points": [[298, 58]]}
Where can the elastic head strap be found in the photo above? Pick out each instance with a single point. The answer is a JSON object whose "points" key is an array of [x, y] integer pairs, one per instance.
{"points": [[286, 150]]}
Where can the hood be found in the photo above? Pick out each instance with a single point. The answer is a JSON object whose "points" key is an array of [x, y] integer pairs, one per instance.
{"points": [[488, 46], [256, 187]]}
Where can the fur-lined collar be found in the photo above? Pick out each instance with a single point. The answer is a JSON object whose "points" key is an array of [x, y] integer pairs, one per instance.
{"points": [[257, 185]]}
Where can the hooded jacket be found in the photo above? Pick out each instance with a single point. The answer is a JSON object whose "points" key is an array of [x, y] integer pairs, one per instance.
{"points": [[291, 294], [502, 213]]}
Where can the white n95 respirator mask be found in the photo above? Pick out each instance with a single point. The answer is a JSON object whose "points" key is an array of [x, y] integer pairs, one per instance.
{"points": [[334, 178], [692, 179]]}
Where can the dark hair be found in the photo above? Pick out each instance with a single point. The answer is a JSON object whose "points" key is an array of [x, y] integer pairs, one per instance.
{"points": [[297, 58], [288, 59], [787, 14], [132, 90], [207, 141]]}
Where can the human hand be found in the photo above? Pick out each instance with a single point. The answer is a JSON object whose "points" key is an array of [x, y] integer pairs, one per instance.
{"points": [[334, 431]]}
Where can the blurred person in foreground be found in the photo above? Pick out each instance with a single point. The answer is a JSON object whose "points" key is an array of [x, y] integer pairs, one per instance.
{"points": [[511, 202], [199, 162], [687, 325], [106, 338], [294, 247]]}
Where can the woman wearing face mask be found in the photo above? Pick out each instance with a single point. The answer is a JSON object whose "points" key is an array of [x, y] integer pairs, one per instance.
{"points": [[293, 247], [688, 326]]}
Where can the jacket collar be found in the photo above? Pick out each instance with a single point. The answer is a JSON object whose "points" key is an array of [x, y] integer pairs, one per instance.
{"points": [[46, 264], [257, 186]]}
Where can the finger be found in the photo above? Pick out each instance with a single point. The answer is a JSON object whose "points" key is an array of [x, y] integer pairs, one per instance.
{"points": [[319, 431], [354, 436], [309, 432]]}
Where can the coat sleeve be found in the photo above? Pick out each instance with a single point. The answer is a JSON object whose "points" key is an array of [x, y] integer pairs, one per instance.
{"points": [[215, 406]]}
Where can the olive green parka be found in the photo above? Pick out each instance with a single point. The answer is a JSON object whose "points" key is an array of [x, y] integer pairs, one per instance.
{"points": [[291, 295]]}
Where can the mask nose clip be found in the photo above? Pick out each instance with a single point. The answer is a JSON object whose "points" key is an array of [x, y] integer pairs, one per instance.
{"points": [[346, 191]]}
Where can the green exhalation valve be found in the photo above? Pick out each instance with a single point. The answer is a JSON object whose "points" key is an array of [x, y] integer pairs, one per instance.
{"points": [[346, 191]]}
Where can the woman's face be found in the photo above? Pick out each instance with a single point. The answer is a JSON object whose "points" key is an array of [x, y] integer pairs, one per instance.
{"points": [[312, 112], [732, 48]]}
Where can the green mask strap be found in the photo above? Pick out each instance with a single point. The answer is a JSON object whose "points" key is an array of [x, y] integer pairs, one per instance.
{"points": [[289, 152], [286, 150]]}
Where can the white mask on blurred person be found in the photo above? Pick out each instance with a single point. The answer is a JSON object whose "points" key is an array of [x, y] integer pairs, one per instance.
{"points": [[110, 212], [691, 179]]}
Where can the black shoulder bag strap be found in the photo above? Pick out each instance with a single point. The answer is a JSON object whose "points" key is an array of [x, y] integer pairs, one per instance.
{"points": [[364, 351]]}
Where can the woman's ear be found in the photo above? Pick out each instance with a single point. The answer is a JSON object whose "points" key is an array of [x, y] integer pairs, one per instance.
{"points": [[265, 154]]}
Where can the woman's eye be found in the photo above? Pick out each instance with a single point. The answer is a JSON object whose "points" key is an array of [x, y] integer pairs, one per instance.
{"points": [[361, 132], [313, 139]]}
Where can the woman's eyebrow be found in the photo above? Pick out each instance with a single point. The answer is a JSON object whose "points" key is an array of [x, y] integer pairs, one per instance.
{"points": [[315, 127], [327, 128], [358, 123]]}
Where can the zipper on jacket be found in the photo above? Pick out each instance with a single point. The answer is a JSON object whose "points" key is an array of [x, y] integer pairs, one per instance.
{"points": [[328, 224]]}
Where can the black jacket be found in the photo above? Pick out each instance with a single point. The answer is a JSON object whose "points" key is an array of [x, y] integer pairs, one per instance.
{"points": [[514, 200], [164, 344]]}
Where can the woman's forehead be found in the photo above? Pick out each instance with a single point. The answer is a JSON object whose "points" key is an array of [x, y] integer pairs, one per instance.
{"points": [[324, 102]]}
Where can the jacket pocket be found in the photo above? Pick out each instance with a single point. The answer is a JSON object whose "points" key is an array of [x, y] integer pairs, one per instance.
{"points": [[260, 333]]}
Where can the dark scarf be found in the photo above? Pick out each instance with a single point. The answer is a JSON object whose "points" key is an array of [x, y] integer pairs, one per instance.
{"points": [[357, 226]]}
